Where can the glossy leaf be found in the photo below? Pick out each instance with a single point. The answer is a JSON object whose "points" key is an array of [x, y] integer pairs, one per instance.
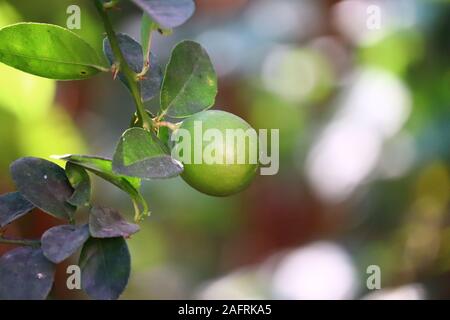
{"points": [[108, 223], [48, 51], [139, 153], [25, 274], [13, 206], [105, 267], [132, 51], [60, 242], [80, 181], [190, 82], [102, 167], [45, 185], [167, 13]]}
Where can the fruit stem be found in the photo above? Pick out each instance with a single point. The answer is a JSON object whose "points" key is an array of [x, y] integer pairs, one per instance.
{"points": [[130, 75]]}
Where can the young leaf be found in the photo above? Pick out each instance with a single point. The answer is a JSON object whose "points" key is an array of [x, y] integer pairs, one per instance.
{"points": [[108, 223], [13, 206], [60, 242], [139, 153], [45, 185], [167, 13], [190, 82], [105, 267], [25, 274], [80, 181], [103, 168], [132, 51], [48, 51]]}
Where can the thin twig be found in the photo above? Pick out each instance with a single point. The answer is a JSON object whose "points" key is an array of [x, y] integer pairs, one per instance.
{"points": [[20, 242], [129, 74]]}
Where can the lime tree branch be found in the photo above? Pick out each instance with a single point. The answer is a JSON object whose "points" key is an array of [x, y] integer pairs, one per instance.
{"points": [[20, 242], [132, 79]]}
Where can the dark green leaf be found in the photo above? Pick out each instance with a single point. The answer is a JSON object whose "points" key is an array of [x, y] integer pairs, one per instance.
{"points": [[48, 51], [80, 181], [13, 206], [60, 242], [139, 153], [132, 51], [167, 13], [25, 274], [130, 48], [105, 267], [164, 136], [45, 185], [151, 83], [190, 82], [108, 223], [103, 168]]}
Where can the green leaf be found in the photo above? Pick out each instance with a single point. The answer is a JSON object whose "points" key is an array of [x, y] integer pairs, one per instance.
{"points": [[132, 51], [164, 136], [167, 13], [48, 51], [45, 185], [102, 167], [190, 82], [80, 181], [108, 223], [25, 274], [139, 153], [105, 267], [13, 206], [60, 242]]}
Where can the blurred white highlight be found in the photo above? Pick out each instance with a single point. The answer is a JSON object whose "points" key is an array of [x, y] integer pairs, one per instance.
{"points": [[322, 270], [374, 109]]}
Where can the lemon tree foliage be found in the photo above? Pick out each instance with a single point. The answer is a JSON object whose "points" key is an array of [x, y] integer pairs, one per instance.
{"points": [[48, 51], [134, 55], [190, 82], [186, 88]]}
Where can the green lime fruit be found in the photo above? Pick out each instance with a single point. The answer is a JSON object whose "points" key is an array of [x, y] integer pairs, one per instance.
{"points": [[219, 151]]}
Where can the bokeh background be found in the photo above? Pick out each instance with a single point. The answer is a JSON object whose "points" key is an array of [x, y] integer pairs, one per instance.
{"points": [[364, 119]]}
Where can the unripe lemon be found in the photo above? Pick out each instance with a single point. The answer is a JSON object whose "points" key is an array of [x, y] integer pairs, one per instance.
{"points": [[219, 157]]}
